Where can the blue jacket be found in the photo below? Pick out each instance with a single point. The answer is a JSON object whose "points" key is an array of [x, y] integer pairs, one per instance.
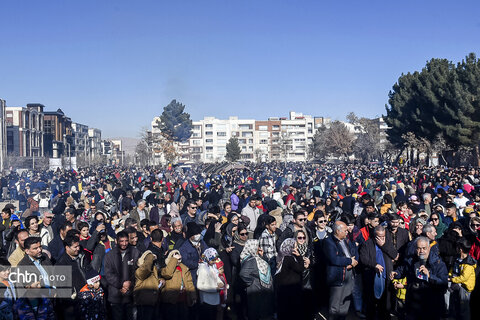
{"points": [[424, 298], [190, 257], [336, 260]]}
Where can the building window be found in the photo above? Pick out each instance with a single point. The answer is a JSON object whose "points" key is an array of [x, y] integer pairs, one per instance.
{"points": [[245, 127], [209, 133], [209, 141], [247, 134], [196, 127], [264, 141], [209, 149], [221, 134], [209, 126], [275, 127], [196, 142], [263, 128]]}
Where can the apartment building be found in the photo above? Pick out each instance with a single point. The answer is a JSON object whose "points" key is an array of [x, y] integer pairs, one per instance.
{"points": [[80, 140], [25, 130], [260, 140], [58, 134], [3, 134], [210, 136], [95, 143]]}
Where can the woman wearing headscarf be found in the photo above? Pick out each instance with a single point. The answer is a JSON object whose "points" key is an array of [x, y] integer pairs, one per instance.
{"points": [[209, 284], [437, 222], [257, 278], [288, 279], [240, 236]]}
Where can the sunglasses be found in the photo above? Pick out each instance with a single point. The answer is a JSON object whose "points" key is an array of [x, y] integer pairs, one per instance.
{"points": [[476, 225], [322, 221], [301, 238], [243, 233], [435, 219], [303, 219], [193, 207]]}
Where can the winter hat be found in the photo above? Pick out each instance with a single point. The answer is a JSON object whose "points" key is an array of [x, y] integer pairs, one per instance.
{"points": [[92, 276], [193, 229], [219, 264]]}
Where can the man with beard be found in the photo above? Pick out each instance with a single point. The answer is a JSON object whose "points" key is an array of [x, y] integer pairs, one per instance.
{"points": [[427, 280], [376, 256], [120, 265]]}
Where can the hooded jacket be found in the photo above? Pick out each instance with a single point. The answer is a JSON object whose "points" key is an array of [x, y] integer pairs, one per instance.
{"points": [[147, 279], [465, 273], [174, 277]]}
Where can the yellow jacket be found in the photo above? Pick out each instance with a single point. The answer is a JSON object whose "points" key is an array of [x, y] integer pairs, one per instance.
{"points": [[401, 292], [467, 274]]}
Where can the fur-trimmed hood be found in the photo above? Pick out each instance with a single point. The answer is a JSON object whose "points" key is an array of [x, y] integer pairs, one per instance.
{"points": [[142, 258]]}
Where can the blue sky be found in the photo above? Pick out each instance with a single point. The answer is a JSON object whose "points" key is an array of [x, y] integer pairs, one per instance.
{"points": [[114, 65]]}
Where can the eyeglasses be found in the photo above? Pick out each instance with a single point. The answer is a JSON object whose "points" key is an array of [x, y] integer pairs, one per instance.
{"points": [[301, 238], [243, 233]]}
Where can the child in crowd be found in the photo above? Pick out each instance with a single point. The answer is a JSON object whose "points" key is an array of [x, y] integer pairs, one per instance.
{"points": [[462, 277], [7, 291], [91, 302]]}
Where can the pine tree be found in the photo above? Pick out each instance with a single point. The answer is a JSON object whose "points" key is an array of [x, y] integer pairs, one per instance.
{"points": [[233, 150], [175, 123]]}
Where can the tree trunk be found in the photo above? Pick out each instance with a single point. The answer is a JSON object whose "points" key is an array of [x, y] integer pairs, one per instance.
{"points": [[399, 155], [476, 155]]}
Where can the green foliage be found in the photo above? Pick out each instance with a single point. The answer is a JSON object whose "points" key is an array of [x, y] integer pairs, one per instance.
{"points": [[175, 123], [442, 98], [233, 150]]}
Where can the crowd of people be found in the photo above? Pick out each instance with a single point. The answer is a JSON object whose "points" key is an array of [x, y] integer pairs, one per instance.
{"points": [[271, 241]]}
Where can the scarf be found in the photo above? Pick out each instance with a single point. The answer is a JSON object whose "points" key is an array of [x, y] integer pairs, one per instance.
{"points": [[237, 240], [250, 250], [286, 249]]}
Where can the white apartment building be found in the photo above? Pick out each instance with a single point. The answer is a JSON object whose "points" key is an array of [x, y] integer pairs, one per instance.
{"points": [[210, 136], [260, 140], [95, 143]]}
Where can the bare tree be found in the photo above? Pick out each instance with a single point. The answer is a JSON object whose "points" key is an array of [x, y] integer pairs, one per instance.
{"points": [[339, 140]]}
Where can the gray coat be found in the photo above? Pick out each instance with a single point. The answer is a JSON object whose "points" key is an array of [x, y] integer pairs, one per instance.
{"points": [[260, 300]]}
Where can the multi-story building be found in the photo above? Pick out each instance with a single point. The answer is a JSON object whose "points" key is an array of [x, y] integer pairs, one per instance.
{"points": [[95, 143], [283, 139], [25, 130], [58, 134], [3, 134], [210, 137], [80, 140], [117, 154]]}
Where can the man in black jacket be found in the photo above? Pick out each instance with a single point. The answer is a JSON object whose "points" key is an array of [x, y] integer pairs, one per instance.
{"points": [[120, 265], [37, 262], [56, 247], [376, 256], [399, 236], [75, 258]]}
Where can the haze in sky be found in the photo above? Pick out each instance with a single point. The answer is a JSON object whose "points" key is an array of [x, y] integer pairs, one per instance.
{"points": [[114, 65]]}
